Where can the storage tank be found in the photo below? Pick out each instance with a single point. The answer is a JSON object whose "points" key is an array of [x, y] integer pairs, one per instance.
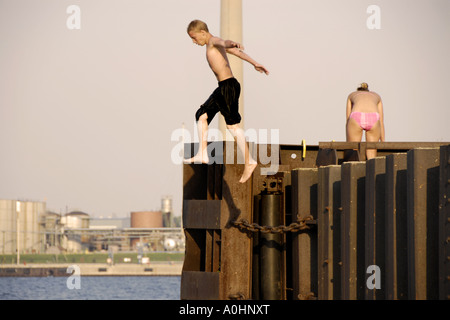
{"points": [[166, 204], [146, 219], [76, 239], [76, 220], [166, 209], [28, 213]]}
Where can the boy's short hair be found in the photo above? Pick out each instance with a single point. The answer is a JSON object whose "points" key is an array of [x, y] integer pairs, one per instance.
{"points": [[197, 25]]}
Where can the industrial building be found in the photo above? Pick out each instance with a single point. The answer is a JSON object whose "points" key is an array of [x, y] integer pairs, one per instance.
{"points": [[28, 227]]}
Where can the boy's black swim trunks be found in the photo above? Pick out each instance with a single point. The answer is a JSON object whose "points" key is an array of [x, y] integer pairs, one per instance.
{"points": [[224, 99]]}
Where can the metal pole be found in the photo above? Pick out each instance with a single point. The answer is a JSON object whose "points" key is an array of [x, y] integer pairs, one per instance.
{"points": [[256, 250], [271, 248], [231, 29], [17, 231]]}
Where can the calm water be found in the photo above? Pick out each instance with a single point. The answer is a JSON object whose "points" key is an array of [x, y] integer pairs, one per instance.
{"points": [[91, 288]]}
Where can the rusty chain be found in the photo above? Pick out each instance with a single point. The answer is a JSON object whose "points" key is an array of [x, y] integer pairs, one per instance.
{"points": [[300, 224]]}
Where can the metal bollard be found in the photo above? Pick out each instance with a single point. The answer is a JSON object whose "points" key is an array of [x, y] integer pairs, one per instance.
{"points": [[271, 248], [256, 250]]}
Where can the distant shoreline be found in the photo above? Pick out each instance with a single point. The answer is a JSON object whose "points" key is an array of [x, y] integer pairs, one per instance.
{"points": [[91, 257], [157, 268]]}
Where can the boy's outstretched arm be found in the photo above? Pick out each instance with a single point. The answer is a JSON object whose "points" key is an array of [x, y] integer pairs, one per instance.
{"points": [[236, 49], [226, 44], [238, 52]]}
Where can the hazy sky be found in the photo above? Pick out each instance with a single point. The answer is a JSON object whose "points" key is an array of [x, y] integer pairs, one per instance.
{"points": [[86, 116]]}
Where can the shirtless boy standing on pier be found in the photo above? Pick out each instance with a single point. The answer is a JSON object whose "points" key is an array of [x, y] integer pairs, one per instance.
{"points": [[226, 97]]}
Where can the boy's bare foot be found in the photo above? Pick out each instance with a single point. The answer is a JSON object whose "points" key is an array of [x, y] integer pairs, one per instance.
{"points": [[197, 159], [248, 170]]}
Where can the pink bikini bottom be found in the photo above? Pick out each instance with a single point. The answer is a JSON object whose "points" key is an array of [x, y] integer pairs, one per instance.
{"points": [[366, 120]]}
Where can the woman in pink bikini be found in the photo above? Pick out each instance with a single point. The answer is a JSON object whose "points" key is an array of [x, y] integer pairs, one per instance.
{"points": [[365, 113]]}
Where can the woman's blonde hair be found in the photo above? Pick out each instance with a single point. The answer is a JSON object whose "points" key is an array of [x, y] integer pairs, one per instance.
{"points": [[363, 87], [197, 25]]}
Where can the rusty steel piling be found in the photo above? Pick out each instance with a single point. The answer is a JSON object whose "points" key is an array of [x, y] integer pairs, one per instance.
{"points": [[422, 222], [328, 235], [326, 224], [375, 221], [396, 283], [444, 224], [304, 244]]}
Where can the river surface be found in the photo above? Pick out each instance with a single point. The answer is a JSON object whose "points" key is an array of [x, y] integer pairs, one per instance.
{"points": [[90, 288]]}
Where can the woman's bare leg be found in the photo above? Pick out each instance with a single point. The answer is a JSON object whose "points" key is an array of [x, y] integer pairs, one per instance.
{"points": [[373, 135], [354, 131]]}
